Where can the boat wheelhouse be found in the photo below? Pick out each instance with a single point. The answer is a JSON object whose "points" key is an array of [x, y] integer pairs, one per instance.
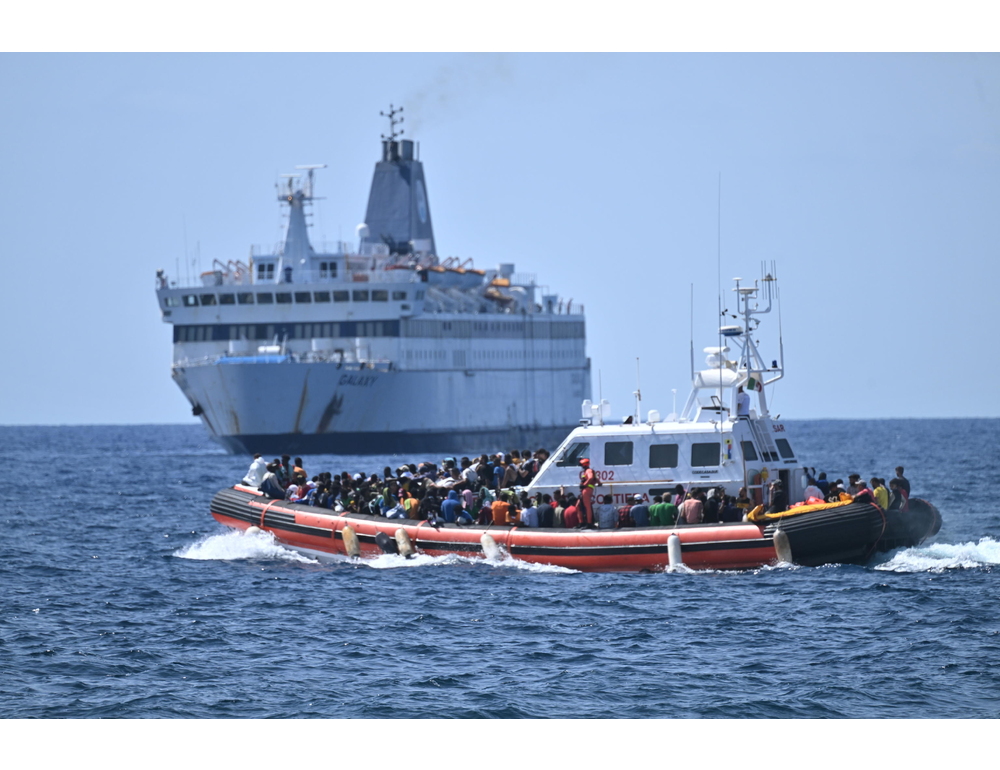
{"points": [[724, 437]]}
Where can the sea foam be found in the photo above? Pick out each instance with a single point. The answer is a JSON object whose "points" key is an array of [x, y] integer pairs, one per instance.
{"points": [[235, 546], [939, 557]]}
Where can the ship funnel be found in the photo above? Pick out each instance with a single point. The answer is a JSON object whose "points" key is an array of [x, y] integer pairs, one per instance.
{"points": [[398, 214]]}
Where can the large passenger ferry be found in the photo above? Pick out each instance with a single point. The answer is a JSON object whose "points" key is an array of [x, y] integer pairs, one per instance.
{"points": [[382, 347]]}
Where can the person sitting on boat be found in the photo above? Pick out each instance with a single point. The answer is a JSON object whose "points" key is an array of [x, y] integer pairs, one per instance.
{"points": [[812, 490], [640, 513], [711, 511], [729, 513], [662, 513], [855, 484], [880, 493], [897, 497], [529, 513], [607, 518], [270, 485], [571, 513], [779, 500], [451, 508], [546, 512], [256, 473], [501, 511]]}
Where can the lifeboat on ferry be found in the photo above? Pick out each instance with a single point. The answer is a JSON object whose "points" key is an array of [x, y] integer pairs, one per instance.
{"points": [[842, 533]]}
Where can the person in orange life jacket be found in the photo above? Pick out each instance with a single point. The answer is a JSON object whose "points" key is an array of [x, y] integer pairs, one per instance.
{"points": [[588, 483]]}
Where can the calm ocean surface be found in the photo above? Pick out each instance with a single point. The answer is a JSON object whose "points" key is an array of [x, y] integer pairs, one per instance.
{"points": [[123, 598]]}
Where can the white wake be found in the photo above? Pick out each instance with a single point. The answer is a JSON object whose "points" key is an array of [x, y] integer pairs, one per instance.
{"points": [[939, 557]]}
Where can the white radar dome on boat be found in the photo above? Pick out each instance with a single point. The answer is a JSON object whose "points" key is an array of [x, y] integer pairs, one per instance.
{"points": [[362, 231]]}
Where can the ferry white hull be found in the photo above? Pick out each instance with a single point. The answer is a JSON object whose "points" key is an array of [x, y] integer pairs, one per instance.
{"points": [[310, 408]]}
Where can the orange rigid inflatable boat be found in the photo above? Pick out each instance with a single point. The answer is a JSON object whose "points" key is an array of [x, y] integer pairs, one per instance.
{"points": [[318, 532]]}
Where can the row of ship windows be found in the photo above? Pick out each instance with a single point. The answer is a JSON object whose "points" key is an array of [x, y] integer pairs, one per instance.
{"points": [[515, 329], [223, 332], [287, 297], [703, 455]]}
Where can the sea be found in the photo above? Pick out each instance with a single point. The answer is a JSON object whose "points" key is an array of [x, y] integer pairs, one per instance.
{"points": [[123, 598]]}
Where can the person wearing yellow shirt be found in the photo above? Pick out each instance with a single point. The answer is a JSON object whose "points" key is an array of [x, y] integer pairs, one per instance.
{"points": [[881, 493]]}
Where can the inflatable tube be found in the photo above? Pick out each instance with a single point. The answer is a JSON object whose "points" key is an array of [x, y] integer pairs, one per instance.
{"points": [[847, 533]]}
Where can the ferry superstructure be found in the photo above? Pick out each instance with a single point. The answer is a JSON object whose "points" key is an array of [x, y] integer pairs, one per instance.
{"points": [[379, 348]]}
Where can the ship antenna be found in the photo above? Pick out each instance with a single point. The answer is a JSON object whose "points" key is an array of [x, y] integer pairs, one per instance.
{"points": [[692, 331], [637, 394], [718, 219], [393, 122]]}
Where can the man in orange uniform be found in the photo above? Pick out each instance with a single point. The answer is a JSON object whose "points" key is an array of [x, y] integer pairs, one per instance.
{"points": [[588, 482]]}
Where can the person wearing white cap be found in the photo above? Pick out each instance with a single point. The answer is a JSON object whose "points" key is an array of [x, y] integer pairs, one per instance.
{"points": [[640, 512]]}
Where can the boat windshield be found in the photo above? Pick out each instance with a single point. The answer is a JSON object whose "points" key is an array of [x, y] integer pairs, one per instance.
{"points": [[575, 453]]}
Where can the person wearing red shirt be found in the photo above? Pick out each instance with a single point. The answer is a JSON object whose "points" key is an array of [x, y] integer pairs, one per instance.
{"points": [[571, 515]]}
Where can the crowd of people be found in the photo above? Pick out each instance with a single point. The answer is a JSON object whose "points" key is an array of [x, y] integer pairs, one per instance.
{"points": [[482, 491]]}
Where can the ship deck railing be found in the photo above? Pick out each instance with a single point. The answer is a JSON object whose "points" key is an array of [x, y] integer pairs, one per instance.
{"points": [[308, 357]]}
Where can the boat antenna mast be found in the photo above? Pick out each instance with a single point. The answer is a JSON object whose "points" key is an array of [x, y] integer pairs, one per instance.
{"points": [[393, 122]]}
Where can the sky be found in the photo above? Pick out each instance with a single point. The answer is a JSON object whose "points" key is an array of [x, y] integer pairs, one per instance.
{"points": [[871, 180]]}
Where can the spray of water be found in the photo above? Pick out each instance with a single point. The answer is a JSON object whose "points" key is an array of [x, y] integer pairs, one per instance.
{"points": [[235, 546], [939, 557]]}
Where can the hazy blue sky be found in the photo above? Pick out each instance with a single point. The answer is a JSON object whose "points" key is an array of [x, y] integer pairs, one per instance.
{"points": [[873, 181]]}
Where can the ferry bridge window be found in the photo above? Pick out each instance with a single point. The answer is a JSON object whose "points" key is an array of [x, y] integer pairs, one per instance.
{"points": [[265, 271], [399, 295], [703, 455], [749, 452], [265, 298], [380, 295], [321, 296], [303, 296], [327, 269], [663, 456], [785, 448], [227, 299], [341, 296], [574, 454], [245, 298], [283, 298], [360, 295], [171, 302], [190, 300], [618, 453]]}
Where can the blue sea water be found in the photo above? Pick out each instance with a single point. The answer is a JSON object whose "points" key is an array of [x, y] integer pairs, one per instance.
{"points": [[122, 597]]}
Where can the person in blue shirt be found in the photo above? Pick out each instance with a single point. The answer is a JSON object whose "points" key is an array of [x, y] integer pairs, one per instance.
{"points": [[452, 510], [640, 512]]}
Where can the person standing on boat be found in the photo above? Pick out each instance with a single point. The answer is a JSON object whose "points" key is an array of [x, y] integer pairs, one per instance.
{"points": [[898, 500], [256, 473], [779, 500], [901, 480], [662, 514], [529, 513], [678, 496], [742, 403], [546, 513], [588, 483], [880, 492], [692, 510]]}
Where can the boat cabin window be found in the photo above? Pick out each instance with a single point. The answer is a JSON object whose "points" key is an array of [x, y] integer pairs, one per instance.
{"points": [[265, 271], [321, 296], [207, 299], [663, 456], [303, 296], [265, 298], [399, 295], [703, 455], [749, 452], [341, 296], [618, 453], [245, 298], [574, 454], [171, 302], [360, 295], [327, 269], [190, 300], [785, 448], [283, 298], [227, 299], [380, 295]]}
